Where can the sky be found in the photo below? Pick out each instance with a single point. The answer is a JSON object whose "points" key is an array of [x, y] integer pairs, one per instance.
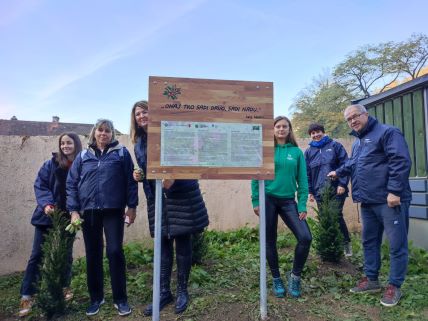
{"points": [[84, 60]]}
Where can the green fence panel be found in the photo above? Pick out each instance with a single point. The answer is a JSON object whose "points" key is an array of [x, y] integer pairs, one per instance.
{"points": [[419, 134], [372, 111], [389, 115], [408, 129], [379, 113], [398, 113]]}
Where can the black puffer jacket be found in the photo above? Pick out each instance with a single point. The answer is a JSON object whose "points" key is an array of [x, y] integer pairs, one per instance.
{"points": [[184, 210]]}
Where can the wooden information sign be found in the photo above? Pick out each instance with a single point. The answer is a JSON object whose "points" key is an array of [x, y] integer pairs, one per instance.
{"points": [[210, 129]]}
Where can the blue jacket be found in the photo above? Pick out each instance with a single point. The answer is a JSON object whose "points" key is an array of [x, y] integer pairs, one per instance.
{"points": [[380, 164], [102, 180], [322, 160], [49, 189]]}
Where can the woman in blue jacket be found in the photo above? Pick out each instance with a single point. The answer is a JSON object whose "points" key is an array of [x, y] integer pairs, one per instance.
{"points": [[184, 213], [323, 156], [100, 185], [49, 189]]}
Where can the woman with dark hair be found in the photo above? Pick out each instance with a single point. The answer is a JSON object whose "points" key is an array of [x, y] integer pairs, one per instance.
{"points": [[323, 156], [290, 177], [184, 214], [100, 185], [49, 188]]}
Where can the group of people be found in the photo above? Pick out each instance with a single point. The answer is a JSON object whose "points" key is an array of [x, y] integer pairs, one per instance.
{"points": [[379, 169], [100, 185]]}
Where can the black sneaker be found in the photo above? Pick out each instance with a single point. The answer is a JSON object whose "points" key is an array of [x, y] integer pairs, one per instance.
{"points": [[123, 308], [94, 308]]}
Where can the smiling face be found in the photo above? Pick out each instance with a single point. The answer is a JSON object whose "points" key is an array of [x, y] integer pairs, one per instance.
{"points": [[281, 131], [67, 146], [103, 136], [141, 117], [356, 119], [317, 135]]}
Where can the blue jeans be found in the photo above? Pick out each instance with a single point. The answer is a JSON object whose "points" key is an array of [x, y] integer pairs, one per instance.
{"points": [[378, 218], [32, 272], [287, 209]]}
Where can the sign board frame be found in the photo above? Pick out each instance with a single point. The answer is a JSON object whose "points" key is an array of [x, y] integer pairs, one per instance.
{"points": [[214, 101]]}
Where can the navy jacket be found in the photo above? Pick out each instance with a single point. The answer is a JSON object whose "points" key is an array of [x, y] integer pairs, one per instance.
{"points": [[49, 189], [102, 181], [380, 164], [322, 160], [184, 210]]}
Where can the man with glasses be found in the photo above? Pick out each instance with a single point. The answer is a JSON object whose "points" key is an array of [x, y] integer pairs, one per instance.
{"points": [[379, 168]]}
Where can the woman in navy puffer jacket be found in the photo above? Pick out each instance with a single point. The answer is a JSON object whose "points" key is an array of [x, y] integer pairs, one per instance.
{"points": [[100, 185], [184, 213], [49, 188]]}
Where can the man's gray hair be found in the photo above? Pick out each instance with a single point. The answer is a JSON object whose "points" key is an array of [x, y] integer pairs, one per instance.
{"points": [[359, 107], [101, 122]]}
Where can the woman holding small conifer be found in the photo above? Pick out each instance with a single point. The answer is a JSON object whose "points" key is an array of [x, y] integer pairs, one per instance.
{"points": [[184, 214], [50, 191], [290, 178]]}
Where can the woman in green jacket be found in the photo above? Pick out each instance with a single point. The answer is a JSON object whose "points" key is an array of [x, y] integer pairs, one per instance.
{"points": [[290, 177]]}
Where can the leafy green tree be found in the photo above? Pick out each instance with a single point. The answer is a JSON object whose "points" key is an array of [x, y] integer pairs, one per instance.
{"points": [[412, 55], [367, 68], [323, 102], [328, 239]]}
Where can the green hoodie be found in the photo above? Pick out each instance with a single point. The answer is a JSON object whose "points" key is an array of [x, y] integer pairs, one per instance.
{"points": [[290, 177]]}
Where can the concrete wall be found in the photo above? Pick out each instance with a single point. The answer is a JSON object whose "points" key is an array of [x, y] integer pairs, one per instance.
{"points": [[228, 202]]}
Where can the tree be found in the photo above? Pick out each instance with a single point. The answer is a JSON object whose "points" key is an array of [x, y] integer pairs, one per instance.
{"points": [[55, 260], [322, 102], [328, 239], [367, 68], [412, 55]]}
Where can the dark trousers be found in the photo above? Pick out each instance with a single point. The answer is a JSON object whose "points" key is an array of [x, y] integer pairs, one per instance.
{"points": [[183, 253], [287, 210], [342, 224], [32, 273], [112, 222], [378, 218]]}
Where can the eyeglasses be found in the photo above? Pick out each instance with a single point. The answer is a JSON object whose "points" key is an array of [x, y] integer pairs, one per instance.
{"points": [[353, 117]]}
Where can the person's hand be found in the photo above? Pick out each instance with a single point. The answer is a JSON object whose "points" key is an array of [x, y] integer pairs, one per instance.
{"points": [[393, 200], [256, 210], [49, 209], [130, 215], [302, 216], [75, 216], [137, 175], [340, 190], [167, 183], [311, 198], [332, 175]]}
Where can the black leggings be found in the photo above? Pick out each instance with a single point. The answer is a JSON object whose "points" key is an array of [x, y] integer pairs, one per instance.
{"points": [[183, 248], [110, 221], [287, 209]]}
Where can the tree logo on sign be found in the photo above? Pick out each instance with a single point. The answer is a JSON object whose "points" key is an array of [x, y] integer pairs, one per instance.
{"points": [[172, 92]]}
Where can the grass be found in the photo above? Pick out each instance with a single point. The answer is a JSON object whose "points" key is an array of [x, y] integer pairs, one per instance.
{"points": [[226, 285]]}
